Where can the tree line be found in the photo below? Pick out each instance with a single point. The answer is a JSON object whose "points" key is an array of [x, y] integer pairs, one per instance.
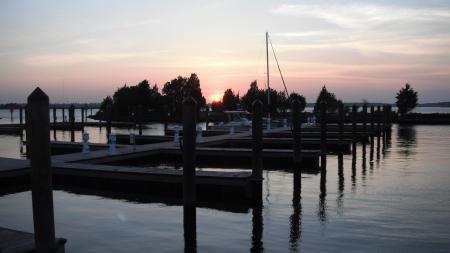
{"points": [[158, 104]]}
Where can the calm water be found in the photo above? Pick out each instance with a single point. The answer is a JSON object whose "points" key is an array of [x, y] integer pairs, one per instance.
{"points": [[399, 202]]}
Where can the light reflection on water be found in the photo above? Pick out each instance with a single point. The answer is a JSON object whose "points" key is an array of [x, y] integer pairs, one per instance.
{"points": [[388, 198]]}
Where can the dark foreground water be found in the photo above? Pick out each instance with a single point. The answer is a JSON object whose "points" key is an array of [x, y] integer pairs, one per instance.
{"points": [[397, 202]]}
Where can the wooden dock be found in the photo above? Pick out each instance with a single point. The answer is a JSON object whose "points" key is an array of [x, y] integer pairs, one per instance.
{"points": [[13, 241]]}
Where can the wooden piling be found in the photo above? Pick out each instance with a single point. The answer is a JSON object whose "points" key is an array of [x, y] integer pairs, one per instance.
{"points": [[341, 120], [54, 115], [257, 139], [189, 135], [82, 115], [372, 118], [108, 120], [72, 122], [364, 118], [257, 151], [378, 119], [323, 135], [21, 116], [296, 128], [63, 114], [140, 119], [38, 137], [354, 115]]}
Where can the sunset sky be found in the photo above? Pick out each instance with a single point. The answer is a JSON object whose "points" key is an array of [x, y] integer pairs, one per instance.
{"points": [[81, 51]]}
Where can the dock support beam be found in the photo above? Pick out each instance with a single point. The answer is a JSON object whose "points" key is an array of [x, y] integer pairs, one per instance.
{"points": [[189, 136], [72, 122], [140, 119], [296, 127], [378, 120], [38, 136], [341, 119], [108, 120], [54, 115], [20, 116], [354, 115], [257, 150], [323, 135], [364, 119], [82, 115], [372, 119]]}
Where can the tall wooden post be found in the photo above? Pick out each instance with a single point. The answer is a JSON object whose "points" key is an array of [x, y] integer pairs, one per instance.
{"points": [[379, 119], [82, 115], [257, 136], [207, 117], [63, 114], [140, 119], [354, 115], [364, 118], [323, 135], [296, 127], [372, 118], [72, 122], [108, 120], [38, 136], [341, 119], [189, 135], [21, 116], [54, 115]]}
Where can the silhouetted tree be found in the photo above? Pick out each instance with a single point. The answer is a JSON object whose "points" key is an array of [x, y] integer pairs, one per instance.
{"points": [[105, 102], [179, 88], [142, 94], [230, 101], [301, 98], [330, 100], [406, 99], [252, 94]]}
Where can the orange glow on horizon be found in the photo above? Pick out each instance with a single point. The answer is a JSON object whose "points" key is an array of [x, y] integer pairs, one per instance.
{"points": [[215, 97]]}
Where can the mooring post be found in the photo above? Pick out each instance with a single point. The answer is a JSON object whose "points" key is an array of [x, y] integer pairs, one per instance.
{"points": [[38, 137], [140, 119], [63, 114], [372, 119], [189, 135], [207, 117], [257, 150], [378, 120], [341, 119], [82, 115], [323, 135], [54, 115], [296, 128], [364, 118], [354, 115], [72, 122], [20, 115], [389, 120], [165, 118], [108, 119]]}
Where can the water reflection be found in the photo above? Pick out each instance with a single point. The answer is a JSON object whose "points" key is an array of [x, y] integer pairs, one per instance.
{"points": [[353, 177], [340, 197], [371, 155], [407, 140], [322, 213], [257, 228], [364, 162], [295, 220], [190, 228]]}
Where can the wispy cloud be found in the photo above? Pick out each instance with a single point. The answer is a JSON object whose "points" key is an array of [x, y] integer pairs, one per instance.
{"points": [[362, 15]]}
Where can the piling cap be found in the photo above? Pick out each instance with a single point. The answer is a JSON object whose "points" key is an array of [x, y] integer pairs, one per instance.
{"points": [[38, 95], [189, 100]]}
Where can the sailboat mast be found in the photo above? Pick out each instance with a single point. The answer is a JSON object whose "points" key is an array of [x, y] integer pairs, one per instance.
{"points": [[267, 62]]}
